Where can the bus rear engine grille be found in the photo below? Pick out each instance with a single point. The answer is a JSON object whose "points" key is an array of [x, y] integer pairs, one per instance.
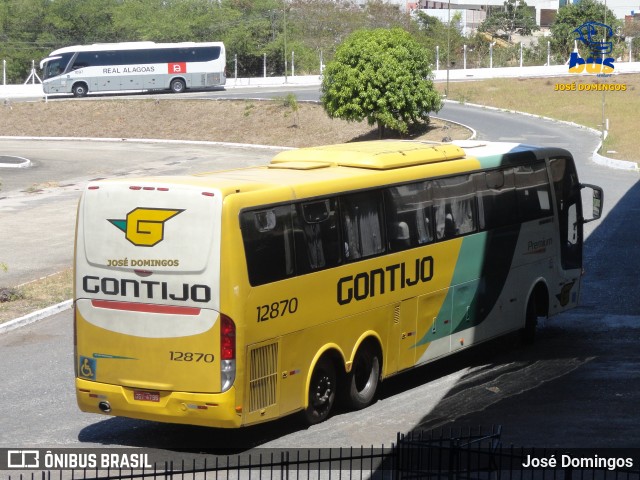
{"points": [[263, 378]]}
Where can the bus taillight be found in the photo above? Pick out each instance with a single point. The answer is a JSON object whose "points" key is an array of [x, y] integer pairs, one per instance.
{"points": [[227, 352], [75, 339]]}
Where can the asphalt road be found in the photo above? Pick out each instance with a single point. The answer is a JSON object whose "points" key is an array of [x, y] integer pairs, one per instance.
{"points": [[575, 387], [39, 226]]}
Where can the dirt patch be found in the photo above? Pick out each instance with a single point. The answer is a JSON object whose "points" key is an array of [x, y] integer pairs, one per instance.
{"points": [[255, 122], [36, 295]]}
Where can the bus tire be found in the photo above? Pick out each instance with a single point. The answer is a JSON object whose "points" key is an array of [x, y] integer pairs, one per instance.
{"points": [[322, 391], [362, 381], [530, 322], [178, 85], [80, 90]]}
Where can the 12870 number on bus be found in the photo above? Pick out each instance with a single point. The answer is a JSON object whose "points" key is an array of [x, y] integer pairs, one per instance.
{"points": [[277, 309]]}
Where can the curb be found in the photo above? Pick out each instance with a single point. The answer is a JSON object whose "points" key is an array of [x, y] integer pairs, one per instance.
{"points": [[147, 140], [597, 158], [35, 316]]}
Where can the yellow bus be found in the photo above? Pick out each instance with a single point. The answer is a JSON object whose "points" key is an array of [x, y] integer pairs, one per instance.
{"points": [[230, 298]]}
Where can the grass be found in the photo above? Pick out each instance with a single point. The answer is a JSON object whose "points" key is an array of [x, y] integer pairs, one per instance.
{"points": [[38, 294], [539, 96]]}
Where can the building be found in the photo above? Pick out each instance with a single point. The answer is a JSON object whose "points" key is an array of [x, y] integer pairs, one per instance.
{"points": [[545, 9]]}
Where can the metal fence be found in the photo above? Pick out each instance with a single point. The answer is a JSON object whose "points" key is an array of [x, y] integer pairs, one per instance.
{"points": [[473, 454]]}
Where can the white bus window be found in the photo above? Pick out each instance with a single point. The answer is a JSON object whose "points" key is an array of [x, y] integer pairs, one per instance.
{"points": [[533, 191], [497, 204], [454, 207], [409, 212]]}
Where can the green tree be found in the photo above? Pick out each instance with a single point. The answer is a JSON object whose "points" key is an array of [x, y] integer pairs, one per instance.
{"points": [[446, 35], [510, 19], [573, 16], [21, 25], [382, 75], [252, 28]]}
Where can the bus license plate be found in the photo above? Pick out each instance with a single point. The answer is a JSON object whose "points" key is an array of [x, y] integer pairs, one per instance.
{"points": [[146, 396]]}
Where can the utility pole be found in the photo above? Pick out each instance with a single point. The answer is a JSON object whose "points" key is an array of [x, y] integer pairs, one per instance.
{"points": [[284, 17]]}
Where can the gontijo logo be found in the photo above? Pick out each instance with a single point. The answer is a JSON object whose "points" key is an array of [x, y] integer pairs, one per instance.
{"points": [[594, 35], [144, 227]]}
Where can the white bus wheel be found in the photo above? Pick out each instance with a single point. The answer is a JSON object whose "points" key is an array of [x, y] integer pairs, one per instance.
{"points": [[80, 89], [178, 85]]}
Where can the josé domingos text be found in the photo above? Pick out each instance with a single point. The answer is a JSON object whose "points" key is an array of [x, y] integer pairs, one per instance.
{"points": [[569, 461]]}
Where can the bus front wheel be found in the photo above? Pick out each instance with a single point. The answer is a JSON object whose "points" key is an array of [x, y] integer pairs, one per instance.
{"points": [[178, 85], [322, 391], [530, 322], [80, 90], [362, 381]]}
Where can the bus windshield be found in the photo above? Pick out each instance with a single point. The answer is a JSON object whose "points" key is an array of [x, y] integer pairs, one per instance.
{"points": [[54, 66]]}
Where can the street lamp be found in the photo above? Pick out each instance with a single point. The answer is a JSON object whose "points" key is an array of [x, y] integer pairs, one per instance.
{"points": [[284, 18], [446, 91]]}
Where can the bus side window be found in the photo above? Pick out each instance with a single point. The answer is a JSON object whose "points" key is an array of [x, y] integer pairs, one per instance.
{"points": [[454, 206], [83, 60], [533, 191], [497, 205], [317, 235], [268, 244], [408, 209], [362, 225]]}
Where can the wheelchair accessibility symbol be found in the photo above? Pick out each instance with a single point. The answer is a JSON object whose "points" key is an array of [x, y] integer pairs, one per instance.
{"points": [[87, 368]]}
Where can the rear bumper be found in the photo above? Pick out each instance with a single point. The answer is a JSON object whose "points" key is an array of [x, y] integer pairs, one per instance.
{"points": [[209, 410]]}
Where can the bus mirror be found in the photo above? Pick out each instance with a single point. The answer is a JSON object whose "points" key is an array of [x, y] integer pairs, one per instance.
{"points": [[598, 197]]}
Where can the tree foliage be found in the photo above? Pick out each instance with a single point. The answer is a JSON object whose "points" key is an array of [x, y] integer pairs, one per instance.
{"points": [[514, 17], [432, 33], [251, 29], [382, 75], [571, 17]]}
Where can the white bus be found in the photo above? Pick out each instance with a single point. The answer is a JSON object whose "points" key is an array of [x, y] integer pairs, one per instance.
{"points": [[110, 67]]}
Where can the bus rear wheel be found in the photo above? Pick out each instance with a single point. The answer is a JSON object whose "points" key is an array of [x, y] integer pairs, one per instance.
{"points": [[178, 85], [362, 381], [322, 391], [80, 90]]}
